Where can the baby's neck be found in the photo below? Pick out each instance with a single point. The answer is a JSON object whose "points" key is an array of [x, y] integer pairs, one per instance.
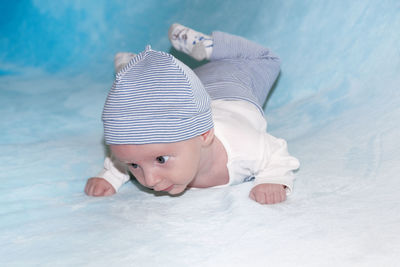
{"points": [[213, 170]]}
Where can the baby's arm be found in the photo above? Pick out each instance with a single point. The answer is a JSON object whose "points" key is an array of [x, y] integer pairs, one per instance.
{"points": [[109, 180], [275, 180]]}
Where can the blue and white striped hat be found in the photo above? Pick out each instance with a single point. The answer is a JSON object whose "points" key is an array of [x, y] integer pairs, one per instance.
{"points": [[156, 99]]}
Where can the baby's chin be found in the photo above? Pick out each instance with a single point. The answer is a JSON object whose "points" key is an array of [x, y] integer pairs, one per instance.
{"points": [[178, 189]]}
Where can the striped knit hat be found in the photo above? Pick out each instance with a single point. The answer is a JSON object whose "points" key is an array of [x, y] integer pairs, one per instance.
{"points": [[156, 99]]}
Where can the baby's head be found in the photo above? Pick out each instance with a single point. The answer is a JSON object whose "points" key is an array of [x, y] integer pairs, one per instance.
{"points": [[157, 117]]}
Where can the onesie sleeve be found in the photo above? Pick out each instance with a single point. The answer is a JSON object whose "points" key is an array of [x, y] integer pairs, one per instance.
{"points": [[114, 172], [278, 165]]}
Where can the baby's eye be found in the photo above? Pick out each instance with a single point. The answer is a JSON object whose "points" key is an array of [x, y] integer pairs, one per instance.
{"points": [[134, 165], [162, 159]]}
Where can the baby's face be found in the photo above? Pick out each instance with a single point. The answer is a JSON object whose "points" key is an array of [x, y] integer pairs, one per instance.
{"points": [[167, 167]]}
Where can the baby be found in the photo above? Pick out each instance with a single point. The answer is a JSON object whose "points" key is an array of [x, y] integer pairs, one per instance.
{"points": [[175, 128]]}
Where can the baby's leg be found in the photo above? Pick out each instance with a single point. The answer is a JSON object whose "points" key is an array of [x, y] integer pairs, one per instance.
{"points": [[238, 69]]}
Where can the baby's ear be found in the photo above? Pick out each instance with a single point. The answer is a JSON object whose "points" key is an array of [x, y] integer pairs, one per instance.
{"points": [[208, 137]]}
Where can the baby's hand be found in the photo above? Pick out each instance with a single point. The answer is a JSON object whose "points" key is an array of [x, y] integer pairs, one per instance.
{"points": [[99, 187], [268, 193]]}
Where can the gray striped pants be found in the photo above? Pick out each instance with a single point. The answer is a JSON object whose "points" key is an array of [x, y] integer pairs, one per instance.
{"points": [[239, 70]]}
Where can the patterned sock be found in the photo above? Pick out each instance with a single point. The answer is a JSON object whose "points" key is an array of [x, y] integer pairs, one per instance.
{"points": [[196, 44], [121, 59]]}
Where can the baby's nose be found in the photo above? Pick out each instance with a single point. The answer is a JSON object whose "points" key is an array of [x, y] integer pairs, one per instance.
{"points": [[152, 179]]}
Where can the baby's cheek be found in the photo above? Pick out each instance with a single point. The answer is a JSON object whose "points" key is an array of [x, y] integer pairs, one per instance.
{"points": [[141, 181], [136, 173]]}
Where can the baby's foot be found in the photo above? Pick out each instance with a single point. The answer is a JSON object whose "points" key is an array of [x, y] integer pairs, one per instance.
{"points": [[196, 44], [121, 59]]}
